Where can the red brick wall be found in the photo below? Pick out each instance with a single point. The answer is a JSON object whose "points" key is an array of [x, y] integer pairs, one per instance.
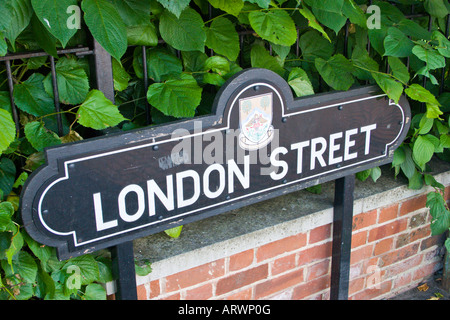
{"points": [[392, 250]]}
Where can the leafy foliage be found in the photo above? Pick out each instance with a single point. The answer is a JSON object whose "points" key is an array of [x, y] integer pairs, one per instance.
{"points": [[191, 51]]}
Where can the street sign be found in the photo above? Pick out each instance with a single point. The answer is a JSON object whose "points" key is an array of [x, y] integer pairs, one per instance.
{"points": [[259, 143]]}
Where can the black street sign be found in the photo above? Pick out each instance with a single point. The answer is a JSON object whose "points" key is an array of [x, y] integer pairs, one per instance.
{"points": [[259, 143]]}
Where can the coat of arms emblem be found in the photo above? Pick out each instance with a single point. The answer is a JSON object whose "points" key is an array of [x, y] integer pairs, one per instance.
{"points": [[255, 120]]}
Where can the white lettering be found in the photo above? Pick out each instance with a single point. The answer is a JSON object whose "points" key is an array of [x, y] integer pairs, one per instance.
{"points": [[318, 154], [233, 170], [167, 200], [214, 194], [122, 204], [181, 201], [333, 148], [98, 211], [349, 144], [367, 130], [299, 146], [278, 163]]}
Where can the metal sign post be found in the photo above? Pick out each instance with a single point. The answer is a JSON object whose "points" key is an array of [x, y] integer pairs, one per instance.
{"points": [[342, 237], [124, 271], [259, 143]]}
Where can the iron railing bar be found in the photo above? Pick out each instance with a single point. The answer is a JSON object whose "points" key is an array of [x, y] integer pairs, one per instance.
{"points": [[424, 80], [56, 96], [347, 23], [442, 85], [145, 72], [19, 56], [14, 112], [241, 50]]}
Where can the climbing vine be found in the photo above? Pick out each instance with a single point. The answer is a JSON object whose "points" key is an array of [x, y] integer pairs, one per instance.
{"points": [[193, 47]]}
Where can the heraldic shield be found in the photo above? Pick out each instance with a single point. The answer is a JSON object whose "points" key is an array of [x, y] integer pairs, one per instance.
{"points": [[255, 120]]}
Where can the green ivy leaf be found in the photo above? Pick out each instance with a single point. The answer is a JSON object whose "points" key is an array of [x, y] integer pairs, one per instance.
{"points": [[120, 75], [408, 167], [230, 6], [399, 157], [334, 21], [261, 3], [185, 33], [391, 87], [423, 150], [375, 174], [177, 97], [300, 83], [275, 26], [72, 80], [175, 7], [425, 124], [337, 71], [134, 12], [106, 26], [221, 36], [436, 8], [7, 176], [416, 181], [328, 5], [21, 13], [45, 40], [399, 70], [94, 291], [162, 64], [313, 46], [31, 97], [312, 22], [53, 15], [87, 267], [363, 62], [39, 137], [26, 266], [98, 113], [217, 64], [413, 30], [430, 56], [142, 35], [419, 93], [143, 269], [440, 222], [261, 58], [14, 248], [42, 252], [3, 45], [6, 212], [443, 43], [355, 14], [363, 175], [5, 15], [174, 232], [8, 131], [397, 44]]}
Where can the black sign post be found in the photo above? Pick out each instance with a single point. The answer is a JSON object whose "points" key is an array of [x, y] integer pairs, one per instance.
{"points": [[259, 143]]}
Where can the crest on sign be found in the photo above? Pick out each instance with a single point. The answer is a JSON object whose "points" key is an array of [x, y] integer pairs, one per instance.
{"points": [[255, 120]]}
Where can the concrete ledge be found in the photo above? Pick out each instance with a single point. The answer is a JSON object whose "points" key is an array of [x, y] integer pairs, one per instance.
{"points": [[253, 226]]}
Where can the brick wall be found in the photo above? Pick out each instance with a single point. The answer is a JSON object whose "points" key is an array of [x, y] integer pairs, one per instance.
{"points": [[392, 251]]}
